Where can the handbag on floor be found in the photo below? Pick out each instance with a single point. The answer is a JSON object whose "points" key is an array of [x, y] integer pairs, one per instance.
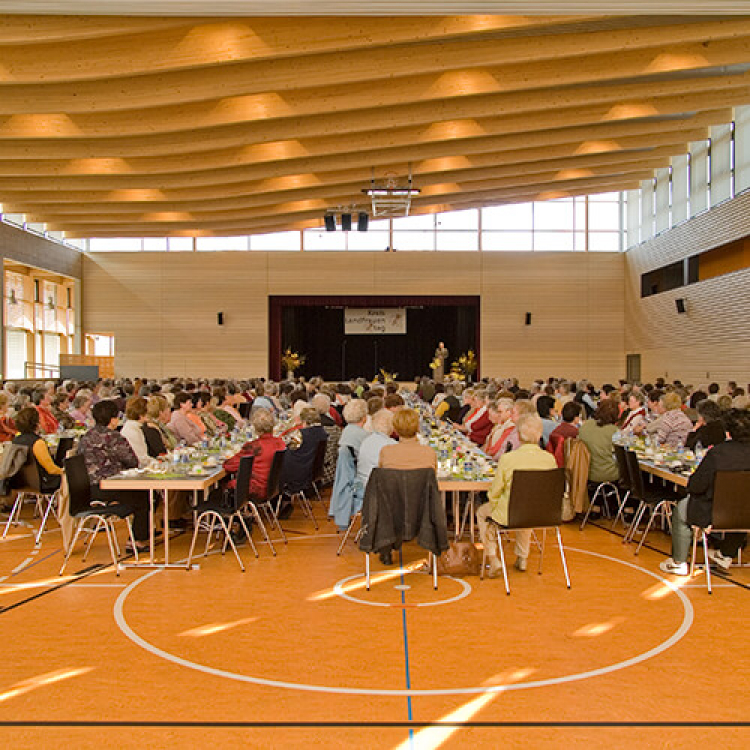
{"points": [[460, 559]]}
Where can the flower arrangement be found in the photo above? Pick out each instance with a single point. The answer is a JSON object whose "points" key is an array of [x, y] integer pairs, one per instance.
{"points": [[385, 377], [292, 360], [435, 363], [465, 365]]}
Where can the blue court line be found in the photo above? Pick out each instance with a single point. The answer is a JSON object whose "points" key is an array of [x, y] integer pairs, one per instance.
{"points": [[406, 646], [36, 562]]}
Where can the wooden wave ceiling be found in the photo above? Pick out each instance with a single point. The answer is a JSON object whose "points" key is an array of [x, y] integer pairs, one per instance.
{"points": [[140, 126]]}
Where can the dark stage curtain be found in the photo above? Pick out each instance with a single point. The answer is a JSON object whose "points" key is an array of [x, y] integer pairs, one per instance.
{"points": [[318, 332]]}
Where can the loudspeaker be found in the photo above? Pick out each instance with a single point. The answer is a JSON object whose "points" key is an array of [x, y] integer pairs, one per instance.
{"points": [[220, 318], [346, 222], [528, 319], [330, 221], [680, 305], [362, 221]]}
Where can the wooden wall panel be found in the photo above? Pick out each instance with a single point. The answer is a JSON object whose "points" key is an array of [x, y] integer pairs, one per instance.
{"points": [[712, 340], [577, 315], [162, 307]]}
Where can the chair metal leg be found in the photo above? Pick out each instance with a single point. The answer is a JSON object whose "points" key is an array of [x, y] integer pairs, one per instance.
{"points": [[109, 531], [541, 550], [15, 513], [307, 508], [694, 550], [562, 556], [228, 536], [621, 509], [658, 508], [502, 563], [72, 545], [196, 529], [50, 504], [434, 571], [131, 536], [210, 533], [367, 570], [274, 520], [90, 541], [247, 534], [707, 562], [263, 530], [348, 531], [484, 562]]}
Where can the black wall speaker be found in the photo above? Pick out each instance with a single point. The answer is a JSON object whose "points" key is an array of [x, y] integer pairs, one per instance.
{"points": [[528, 319], [220, 318], [330, 221], [680, 305], [362, 221], [346, 222]]}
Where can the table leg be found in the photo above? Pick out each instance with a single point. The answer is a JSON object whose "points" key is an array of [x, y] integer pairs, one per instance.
{"points": [[151, 525], [166, 527]]}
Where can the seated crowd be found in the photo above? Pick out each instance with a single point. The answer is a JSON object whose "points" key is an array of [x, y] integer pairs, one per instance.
{"points": [[131, 422]]}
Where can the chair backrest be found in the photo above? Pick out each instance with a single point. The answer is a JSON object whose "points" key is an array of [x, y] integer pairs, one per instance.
{"points": [[536, 498], [731, 505], [272, 486], [622, 465], [242, 485], [319, 461], [79, 485], [637, 486], [65, 444], [244, 409]]}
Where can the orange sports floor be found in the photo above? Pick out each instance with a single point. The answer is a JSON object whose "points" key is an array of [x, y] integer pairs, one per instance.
{"points": [[295, 652]]}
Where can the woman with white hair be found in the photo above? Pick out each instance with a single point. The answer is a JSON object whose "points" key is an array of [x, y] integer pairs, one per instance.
{"points": [[527, 456], [355, 416]]}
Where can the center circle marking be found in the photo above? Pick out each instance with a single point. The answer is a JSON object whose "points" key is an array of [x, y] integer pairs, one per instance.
{"points": [[340, 590], [682, 630]]}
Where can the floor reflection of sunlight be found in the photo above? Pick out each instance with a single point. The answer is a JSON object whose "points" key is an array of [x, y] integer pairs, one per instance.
{"points": [[9, 588], [216, 627], [433, 737], [665, 588], [26, 686], [386, 575], [598, 628]]}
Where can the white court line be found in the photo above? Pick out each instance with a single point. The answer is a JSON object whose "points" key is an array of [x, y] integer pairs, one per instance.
{"points": [[20, 567], [97, 585], [680, 633]]}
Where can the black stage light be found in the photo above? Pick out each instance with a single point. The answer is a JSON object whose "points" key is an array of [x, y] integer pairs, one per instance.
{"points": [[346, 222], [680, 305], [330, 221], [528, 319], [220, 318], [362, 221]]}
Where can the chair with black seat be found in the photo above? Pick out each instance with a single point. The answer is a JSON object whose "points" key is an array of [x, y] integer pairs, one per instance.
{"points": [[656, 502], [81, 509], [244, 409], [266, 503], [63, 448], [225, 509], [730, 512], [625, 482], [303, 483], [603, 492], [400, 505], [536, 502], [318, 467]]}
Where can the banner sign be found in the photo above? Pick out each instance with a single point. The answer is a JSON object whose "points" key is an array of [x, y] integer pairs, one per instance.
{"points": [[374, 321]]}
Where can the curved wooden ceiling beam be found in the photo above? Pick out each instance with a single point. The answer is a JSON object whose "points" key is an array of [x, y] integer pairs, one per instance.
{"points": [[229, 90], [277, 55], [483, 197], [476, 167], [328, 197], [278, 44], [333, 146], [184, 127], [33, 30]]}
